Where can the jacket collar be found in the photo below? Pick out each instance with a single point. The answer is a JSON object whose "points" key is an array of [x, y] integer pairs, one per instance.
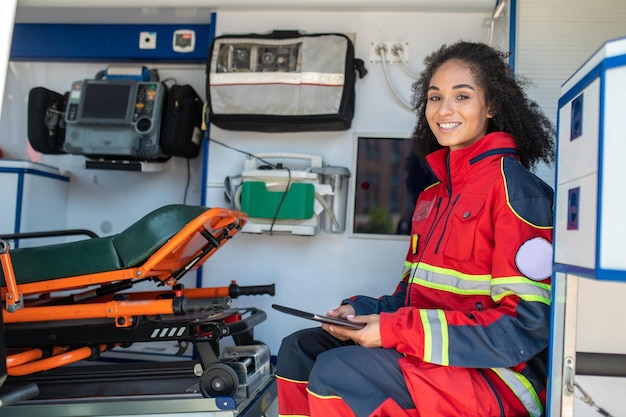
{"points": [[448, 165]]}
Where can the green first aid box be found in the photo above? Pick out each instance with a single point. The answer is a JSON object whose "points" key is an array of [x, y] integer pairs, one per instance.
{"points": [[258, 201]]}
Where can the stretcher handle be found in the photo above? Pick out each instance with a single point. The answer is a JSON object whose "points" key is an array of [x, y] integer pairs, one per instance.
{"points": [[235, 290], [241, 326], [184, 305], [20, 394]]}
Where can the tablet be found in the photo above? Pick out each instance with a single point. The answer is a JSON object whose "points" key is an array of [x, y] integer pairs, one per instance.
{"points": [[316, 317]]}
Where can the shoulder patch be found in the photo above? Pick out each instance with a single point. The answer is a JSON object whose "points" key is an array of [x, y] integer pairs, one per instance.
{"points": [[534, 259], [529, 196]]}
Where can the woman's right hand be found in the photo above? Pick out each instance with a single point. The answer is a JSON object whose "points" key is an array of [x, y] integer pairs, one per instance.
{"points": [[342, 311]]}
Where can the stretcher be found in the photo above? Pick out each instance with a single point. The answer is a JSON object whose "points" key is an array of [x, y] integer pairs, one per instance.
{"points": [[69, 302]]}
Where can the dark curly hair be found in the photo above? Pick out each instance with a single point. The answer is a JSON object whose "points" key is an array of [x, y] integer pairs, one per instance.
{"points": [[514, 113]]}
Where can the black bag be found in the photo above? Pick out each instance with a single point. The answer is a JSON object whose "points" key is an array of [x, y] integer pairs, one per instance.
{"points": [[181, 129], [282, 82], [46, 120]]}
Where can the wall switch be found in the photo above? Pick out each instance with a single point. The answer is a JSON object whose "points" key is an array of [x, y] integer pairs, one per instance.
{"points": [[147, 40], [184, 40]]}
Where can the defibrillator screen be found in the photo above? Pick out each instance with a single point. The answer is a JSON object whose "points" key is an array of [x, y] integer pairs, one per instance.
{"points": [[106, 101]]}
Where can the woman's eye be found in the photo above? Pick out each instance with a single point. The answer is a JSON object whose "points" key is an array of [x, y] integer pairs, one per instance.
{"points": [[434, 98], [463, 97]]}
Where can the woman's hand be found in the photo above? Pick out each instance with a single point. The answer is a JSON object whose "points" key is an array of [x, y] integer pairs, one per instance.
{"points": [[369, 336], [342, 311]]}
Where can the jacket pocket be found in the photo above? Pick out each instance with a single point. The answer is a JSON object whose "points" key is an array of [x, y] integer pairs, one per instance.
{"points": [[464, 219]]}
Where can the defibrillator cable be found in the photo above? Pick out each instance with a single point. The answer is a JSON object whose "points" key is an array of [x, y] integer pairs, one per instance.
{"points": [[275, 166]]}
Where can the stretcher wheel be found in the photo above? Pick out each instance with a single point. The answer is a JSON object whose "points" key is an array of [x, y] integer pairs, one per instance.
{"points": [[219, 380]]}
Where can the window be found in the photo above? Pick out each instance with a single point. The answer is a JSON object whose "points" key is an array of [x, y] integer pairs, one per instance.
{"points": [[389, 177]]}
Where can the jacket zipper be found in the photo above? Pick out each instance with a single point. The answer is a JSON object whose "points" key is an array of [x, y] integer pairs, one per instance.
{"points": [[445, 225], [495, 393], [433, 225], [431, 230], [450, 206]]}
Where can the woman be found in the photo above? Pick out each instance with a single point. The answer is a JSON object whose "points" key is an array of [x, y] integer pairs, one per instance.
{"points": [[466, 331]]}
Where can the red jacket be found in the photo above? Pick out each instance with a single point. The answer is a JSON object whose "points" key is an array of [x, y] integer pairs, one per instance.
{"points": [[463, 300]]}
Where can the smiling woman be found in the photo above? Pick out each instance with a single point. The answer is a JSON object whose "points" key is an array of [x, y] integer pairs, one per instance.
{"points": [[469, 311]]}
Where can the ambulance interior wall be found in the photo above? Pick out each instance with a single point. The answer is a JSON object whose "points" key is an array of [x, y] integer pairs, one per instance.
{"points": [[315, 272], [312, 273]]}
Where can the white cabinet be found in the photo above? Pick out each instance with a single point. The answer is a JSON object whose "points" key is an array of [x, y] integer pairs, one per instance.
{"points": [[587, 345], [590, 225]]}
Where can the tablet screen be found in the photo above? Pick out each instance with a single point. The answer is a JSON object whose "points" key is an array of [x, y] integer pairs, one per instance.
{"points": [[318, 317]]}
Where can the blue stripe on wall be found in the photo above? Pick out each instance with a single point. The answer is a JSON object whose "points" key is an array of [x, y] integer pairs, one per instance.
{"points": [[104, 42]]}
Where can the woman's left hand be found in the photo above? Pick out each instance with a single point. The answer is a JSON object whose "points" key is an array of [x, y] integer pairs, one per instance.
{"points": [[369, 336]]}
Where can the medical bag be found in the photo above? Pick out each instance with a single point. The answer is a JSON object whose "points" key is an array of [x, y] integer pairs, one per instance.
{"points": [[283, 81], [181, 130], [46, 124]]}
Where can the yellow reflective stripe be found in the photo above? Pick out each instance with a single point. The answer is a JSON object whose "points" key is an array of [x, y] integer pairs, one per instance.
{"points": [[455, 273], [523, 389], [406, 271], [428, 339], [523, 287], [455, 282], [445, 341], [436, 342], [451, 281]]}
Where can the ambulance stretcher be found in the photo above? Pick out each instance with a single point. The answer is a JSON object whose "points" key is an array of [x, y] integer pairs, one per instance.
{"points": [[67, 303]]}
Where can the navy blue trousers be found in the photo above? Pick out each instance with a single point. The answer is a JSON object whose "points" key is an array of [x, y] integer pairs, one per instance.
{"points": [[364, 378]]}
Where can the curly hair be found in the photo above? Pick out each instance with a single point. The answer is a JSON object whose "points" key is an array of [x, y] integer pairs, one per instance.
{"points": [[514, 113]]}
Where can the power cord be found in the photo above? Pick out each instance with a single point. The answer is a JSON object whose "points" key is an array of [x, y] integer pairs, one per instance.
{"points": [[275, 166], [586, 398], [570, 387], [380, 50], [398, 50]]}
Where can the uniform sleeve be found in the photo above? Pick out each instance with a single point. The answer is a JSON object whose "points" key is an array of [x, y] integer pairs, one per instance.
{"points": [[368, 305], [513, 326]]}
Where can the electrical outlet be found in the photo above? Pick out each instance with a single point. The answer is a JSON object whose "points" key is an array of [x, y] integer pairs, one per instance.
{"points": [[147, 40], [390, 51]]}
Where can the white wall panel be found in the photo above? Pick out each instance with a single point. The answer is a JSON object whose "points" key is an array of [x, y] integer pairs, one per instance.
{"points": [[554, 38]]}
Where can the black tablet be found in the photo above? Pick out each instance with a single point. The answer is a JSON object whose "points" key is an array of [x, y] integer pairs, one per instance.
{"points": [[317, 317]]}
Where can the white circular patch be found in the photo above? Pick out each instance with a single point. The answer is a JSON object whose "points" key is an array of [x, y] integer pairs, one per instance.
{"points": [[534, 259]]}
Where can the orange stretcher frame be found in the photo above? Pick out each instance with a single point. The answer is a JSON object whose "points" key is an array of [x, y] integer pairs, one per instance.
{"points": [[189, 248], [186, 250]]}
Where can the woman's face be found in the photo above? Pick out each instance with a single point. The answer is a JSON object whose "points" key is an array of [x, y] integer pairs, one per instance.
{"points": [[456, 108]]}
